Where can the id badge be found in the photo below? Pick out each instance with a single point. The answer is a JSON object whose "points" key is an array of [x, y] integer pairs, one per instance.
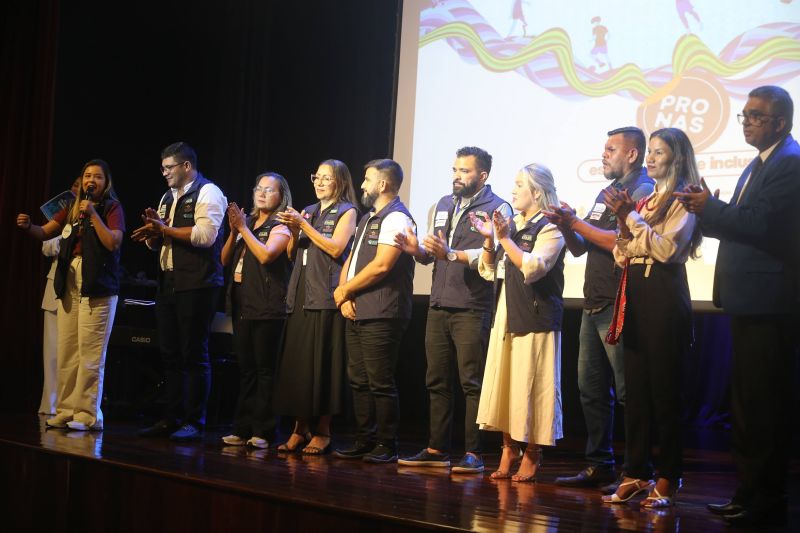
{"points": [[237, 273], [597, 212], [501, 270]]}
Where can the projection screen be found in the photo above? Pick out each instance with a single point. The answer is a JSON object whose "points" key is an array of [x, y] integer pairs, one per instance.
{"points": [[542, 81]]}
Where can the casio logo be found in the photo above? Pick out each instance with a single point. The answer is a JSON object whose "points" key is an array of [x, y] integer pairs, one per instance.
{"points": [[141, 340]]}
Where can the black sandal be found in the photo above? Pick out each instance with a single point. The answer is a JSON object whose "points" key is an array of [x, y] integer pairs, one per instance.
{"points": [[316, 450], [298, 447]]}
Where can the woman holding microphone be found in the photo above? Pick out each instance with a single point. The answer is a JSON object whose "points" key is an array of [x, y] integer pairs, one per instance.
{"points": [[87, 286]]}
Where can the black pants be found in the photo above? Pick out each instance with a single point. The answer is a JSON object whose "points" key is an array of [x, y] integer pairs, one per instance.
{"points": [[372, 348], [455, 337], [658, 334], [763, 350], [256, 343], [184, 322]]}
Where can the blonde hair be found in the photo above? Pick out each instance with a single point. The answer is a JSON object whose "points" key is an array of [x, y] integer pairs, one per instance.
{"points": [[541, 179]]}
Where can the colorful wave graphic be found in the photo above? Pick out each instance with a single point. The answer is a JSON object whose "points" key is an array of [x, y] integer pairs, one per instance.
{"points": [[765, 54]]}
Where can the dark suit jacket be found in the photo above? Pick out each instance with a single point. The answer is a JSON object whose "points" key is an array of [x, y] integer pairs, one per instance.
{"points": [[757, 264]]}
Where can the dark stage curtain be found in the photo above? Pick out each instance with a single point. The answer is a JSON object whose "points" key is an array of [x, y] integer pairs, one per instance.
{"points": [[253, 85], [708, 371], [27, 87]]}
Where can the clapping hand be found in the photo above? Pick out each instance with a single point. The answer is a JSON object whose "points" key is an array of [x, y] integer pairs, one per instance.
{"points": [[153, 227], [291, 218], [563, 217], [481, 226], [407, 241], [501, 225], [236, 217], [436, 245], [620, 203], [695, 197]]}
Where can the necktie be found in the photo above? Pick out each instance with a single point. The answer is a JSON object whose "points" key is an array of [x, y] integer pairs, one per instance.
{"points": [[757, 166]]}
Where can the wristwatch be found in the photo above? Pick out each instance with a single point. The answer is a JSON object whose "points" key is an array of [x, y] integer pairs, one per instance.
{"points": [[452, 256]]}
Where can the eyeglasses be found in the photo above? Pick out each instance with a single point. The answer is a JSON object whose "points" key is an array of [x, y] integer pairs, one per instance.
{"points": [[756, 119], [168, 168], [321, 179], [265, 190]]}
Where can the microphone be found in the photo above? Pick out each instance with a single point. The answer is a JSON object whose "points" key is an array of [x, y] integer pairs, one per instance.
{"points": [[87, 195]]}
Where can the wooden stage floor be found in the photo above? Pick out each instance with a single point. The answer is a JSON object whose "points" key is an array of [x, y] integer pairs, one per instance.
{"points": [[116, 481]]}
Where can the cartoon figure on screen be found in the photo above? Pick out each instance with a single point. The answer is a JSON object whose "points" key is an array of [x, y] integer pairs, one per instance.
{"points": [[600, 50], [685, 7], [517, 19]]}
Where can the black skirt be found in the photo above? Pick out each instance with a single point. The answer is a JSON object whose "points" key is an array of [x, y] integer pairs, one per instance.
{"points": [[311, 376]]}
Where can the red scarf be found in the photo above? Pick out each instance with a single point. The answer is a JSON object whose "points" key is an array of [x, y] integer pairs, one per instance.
{"points": [[618, 320]]}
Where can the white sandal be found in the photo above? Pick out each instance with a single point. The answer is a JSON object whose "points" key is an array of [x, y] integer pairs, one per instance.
{"points": [[655, 500], [614, 498]]}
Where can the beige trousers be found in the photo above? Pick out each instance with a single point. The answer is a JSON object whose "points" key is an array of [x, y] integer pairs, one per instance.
{"points": [[84, 327]]}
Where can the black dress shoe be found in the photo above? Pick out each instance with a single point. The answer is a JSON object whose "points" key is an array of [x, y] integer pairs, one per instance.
{"points": [[356, 451], [727, 508], [591, 476], [612, 487], [162, 428], [754, 517], [381, 454]]}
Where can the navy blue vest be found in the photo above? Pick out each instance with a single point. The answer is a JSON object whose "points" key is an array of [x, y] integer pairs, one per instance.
{"points": [[322, 270], [263, 287], [454, 284], [99, 268], [194, 268], [602, 274], [539, 306], [391, 296]]}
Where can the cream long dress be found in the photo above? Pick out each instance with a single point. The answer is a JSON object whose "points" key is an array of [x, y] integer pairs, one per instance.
{"points": [[521, 393]]}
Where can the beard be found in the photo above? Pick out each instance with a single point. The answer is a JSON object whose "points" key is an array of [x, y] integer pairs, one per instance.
{"points": [[368, 199], [613, 174], [465, 191]]}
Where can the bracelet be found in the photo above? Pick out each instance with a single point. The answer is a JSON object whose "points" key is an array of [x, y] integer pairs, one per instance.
{"points": [[488, 250]]}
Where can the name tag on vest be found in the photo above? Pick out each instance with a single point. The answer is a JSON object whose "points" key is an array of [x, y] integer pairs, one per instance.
{"points": [[440, 219], [597, 211], [372, 237], [526, 244]]}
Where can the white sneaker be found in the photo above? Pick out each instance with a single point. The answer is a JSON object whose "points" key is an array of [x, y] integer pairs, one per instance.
{"points": [[258, 442], [80, 426], [58, 421], [233, 440]]}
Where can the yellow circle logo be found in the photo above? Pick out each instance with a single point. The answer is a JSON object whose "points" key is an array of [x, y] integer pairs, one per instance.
{"points": [[698, 106]]}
